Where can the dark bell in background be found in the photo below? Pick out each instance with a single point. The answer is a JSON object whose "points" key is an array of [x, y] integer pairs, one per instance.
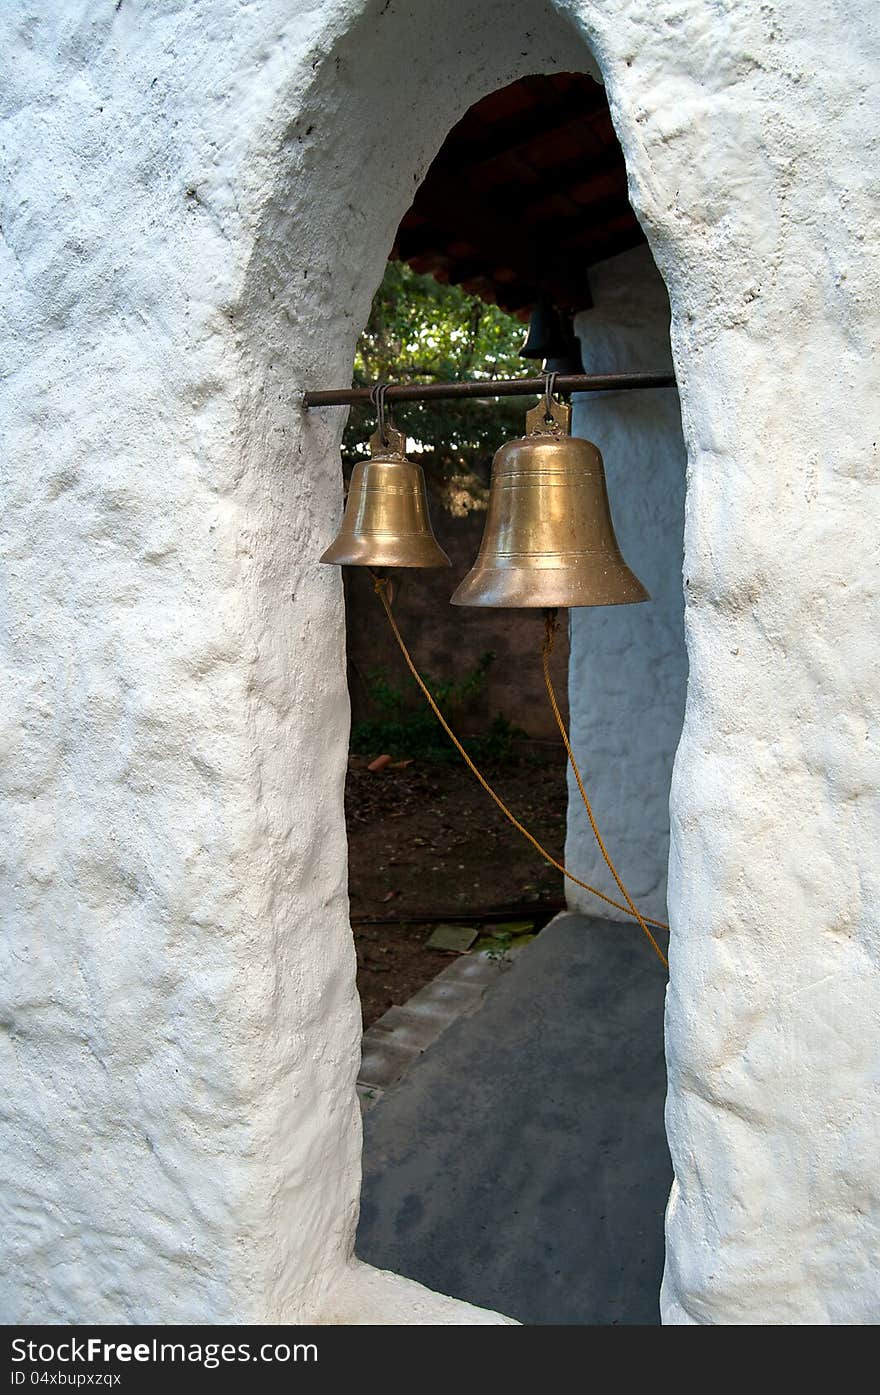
{"points": [[551, 339]]}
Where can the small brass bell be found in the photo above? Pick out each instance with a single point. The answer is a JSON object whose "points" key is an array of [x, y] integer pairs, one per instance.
{"points": [[386, 521], [549, 540]]}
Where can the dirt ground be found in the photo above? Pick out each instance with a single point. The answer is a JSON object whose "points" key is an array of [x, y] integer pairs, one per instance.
{"points": [[427, 846]]}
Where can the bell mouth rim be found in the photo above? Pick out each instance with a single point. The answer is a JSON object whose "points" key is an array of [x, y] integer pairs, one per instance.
{"points": [[511, 593], [375, 558]]}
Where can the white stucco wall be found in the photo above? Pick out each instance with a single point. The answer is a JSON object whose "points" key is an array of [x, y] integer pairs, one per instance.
{"points": [[197, 204], [628, 667]]}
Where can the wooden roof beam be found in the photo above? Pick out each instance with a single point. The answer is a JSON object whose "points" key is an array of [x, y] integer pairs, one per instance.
{"points": [[469, 144]]}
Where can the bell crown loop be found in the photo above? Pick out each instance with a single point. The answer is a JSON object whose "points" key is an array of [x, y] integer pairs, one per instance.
{"points": [[549, 418], [378, 394], [390, 446]]}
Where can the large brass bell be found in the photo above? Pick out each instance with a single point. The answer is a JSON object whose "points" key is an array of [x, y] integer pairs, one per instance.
{"points": [[549, 540], [386, 521]]}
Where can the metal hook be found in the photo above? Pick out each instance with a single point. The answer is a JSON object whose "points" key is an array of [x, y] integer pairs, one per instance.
{"points": [[377, 397], [549, 384]]}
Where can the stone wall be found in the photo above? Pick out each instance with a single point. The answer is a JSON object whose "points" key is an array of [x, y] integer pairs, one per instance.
{"points": [[448, 642]]}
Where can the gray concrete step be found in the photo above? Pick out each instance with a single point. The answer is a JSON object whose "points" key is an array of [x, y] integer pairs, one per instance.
{"points": [[520, 1162]]}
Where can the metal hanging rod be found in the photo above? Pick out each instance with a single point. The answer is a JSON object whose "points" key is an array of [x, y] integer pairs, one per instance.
{"points": [[490, 387]]}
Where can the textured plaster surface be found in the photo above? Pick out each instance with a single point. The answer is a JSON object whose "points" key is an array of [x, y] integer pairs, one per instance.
{"points": [[628, 666], [197, 204]]}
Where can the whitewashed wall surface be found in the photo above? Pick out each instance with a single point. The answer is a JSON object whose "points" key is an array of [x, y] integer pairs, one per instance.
{"points": [[197, 201], [628, 667]]}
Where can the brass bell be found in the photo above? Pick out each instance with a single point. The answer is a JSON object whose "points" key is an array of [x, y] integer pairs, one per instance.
{"points": [[549, 540], [386, 522]]}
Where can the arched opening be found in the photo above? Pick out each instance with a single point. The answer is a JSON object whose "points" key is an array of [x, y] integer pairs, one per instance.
{"points": [[536, 142], [380, 147]]}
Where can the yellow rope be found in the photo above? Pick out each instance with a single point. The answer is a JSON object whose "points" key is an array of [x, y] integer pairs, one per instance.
{"points": [[381, 588], [552, 625]]}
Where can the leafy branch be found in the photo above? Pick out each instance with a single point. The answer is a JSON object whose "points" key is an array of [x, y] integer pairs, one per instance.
{"points": [[420, 330]]}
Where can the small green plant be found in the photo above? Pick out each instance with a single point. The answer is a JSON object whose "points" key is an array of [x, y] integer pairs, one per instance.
{"points": [[498, 948], [413, 732], [497, 743]]}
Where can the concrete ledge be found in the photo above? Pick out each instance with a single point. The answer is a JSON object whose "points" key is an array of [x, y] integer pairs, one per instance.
{"points": [[521, 1162], [399, 1037], [368, 1297]]}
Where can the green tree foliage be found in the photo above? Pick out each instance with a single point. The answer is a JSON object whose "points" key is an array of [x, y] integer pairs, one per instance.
{"points": [[422, 331]]}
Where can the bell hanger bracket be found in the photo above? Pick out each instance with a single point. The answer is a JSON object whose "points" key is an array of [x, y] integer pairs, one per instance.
{"points": [[386, 441], [553, 422], [390, 446], [550, 417]]}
